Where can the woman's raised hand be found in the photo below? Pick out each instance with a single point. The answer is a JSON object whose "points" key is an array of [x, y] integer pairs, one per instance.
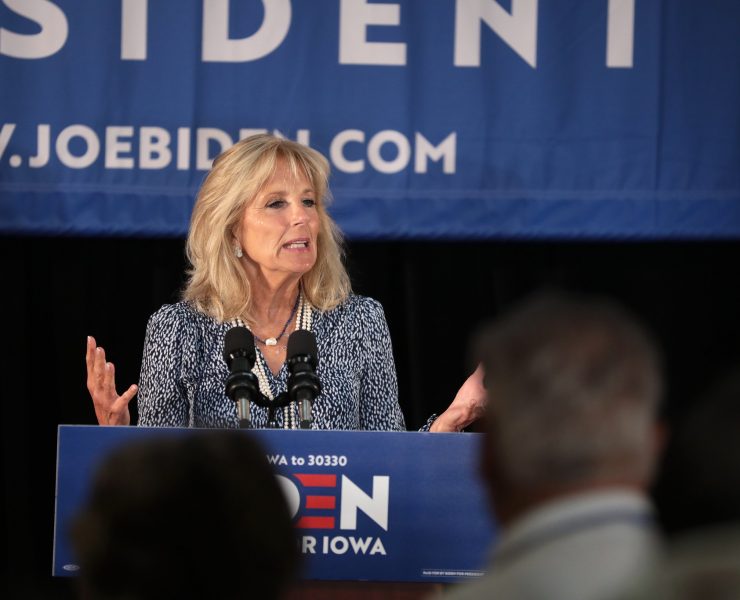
{"points": [[469, 404], [110, 408]]}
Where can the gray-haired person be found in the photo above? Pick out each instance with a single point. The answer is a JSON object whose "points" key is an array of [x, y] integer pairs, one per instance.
{"points": [[570, 446]]}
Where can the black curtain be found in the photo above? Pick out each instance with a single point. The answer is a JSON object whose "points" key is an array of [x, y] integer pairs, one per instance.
{"points": [[56, 291]]}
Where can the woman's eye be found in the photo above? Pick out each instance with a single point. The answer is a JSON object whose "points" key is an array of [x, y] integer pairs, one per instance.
{"points": [[276, 203], [309, 202]]}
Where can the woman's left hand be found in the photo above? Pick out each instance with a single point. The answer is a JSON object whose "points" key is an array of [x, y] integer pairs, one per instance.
{"points": [[468, 405]]}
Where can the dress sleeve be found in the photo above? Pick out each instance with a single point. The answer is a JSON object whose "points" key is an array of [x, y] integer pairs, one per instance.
{"points": [[379, 408], [432, 418], [163, 400]]}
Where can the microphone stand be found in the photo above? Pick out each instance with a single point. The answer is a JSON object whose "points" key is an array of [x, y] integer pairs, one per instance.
{"points": [[303, 387]]}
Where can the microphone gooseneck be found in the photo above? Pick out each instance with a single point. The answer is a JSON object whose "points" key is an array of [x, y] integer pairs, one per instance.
{"points": [[242, 385], [303, 383]]}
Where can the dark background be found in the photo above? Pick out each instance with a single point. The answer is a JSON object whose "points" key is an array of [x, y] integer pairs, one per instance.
{"points": [[56, 291]]}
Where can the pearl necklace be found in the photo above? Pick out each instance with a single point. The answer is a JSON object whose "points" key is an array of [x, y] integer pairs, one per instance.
{"points": [[304, 320]]}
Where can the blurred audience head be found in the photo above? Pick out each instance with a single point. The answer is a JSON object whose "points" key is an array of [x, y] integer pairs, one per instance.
{"points": [[698, 500], [699, 481], [193, 516], [574, 384]]}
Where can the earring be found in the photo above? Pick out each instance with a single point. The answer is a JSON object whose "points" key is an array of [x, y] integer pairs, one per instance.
{"points": [[238, 251]]}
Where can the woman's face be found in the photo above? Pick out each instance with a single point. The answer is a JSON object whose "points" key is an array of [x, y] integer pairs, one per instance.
{"points": [[279, 229]]}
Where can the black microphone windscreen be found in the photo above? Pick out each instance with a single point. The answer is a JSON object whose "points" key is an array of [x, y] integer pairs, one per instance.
{"points": [[239, 341], [302, 343]]}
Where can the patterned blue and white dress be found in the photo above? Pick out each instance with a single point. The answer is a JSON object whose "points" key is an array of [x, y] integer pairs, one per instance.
{"points": [[183, 372]]}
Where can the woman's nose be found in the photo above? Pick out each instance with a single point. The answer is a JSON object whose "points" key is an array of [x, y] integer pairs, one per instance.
{"points": [[299, 213]]}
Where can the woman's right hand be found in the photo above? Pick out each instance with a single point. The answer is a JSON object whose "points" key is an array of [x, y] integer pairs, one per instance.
{"points": [[110, 408]]}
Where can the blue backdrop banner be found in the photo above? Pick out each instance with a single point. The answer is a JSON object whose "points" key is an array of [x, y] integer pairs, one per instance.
{"points": [[441, 118]]}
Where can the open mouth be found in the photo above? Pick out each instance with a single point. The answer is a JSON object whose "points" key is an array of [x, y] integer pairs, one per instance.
{"points": [[296, 245]]}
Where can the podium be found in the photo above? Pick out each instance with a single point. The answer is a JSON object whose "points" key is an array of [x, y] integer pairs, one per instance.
{"points": [[368, 506]]}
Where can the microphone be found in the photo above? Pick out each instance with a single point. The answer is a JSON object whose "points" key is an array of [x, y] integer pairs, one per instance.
{"points": [[242, 385], [303, 383]]}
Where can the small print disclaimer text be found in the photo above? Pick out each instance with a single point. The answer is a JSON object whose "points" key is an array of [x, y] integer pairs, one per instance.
{"points": [[450, 573]]}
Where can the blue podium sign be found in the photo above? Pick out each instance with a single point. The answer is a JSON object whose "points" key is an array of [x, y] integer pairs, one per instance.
{"points": [[378, 506]]}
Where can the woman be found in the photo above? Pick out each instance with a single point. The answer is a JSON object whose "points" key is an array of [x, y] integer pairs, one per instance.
{"points": [[265, 254]]}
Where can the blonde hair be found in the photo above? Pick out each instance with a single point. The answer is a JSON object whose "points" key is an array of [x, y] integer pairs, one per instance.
{"points": [[217, 283]]}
